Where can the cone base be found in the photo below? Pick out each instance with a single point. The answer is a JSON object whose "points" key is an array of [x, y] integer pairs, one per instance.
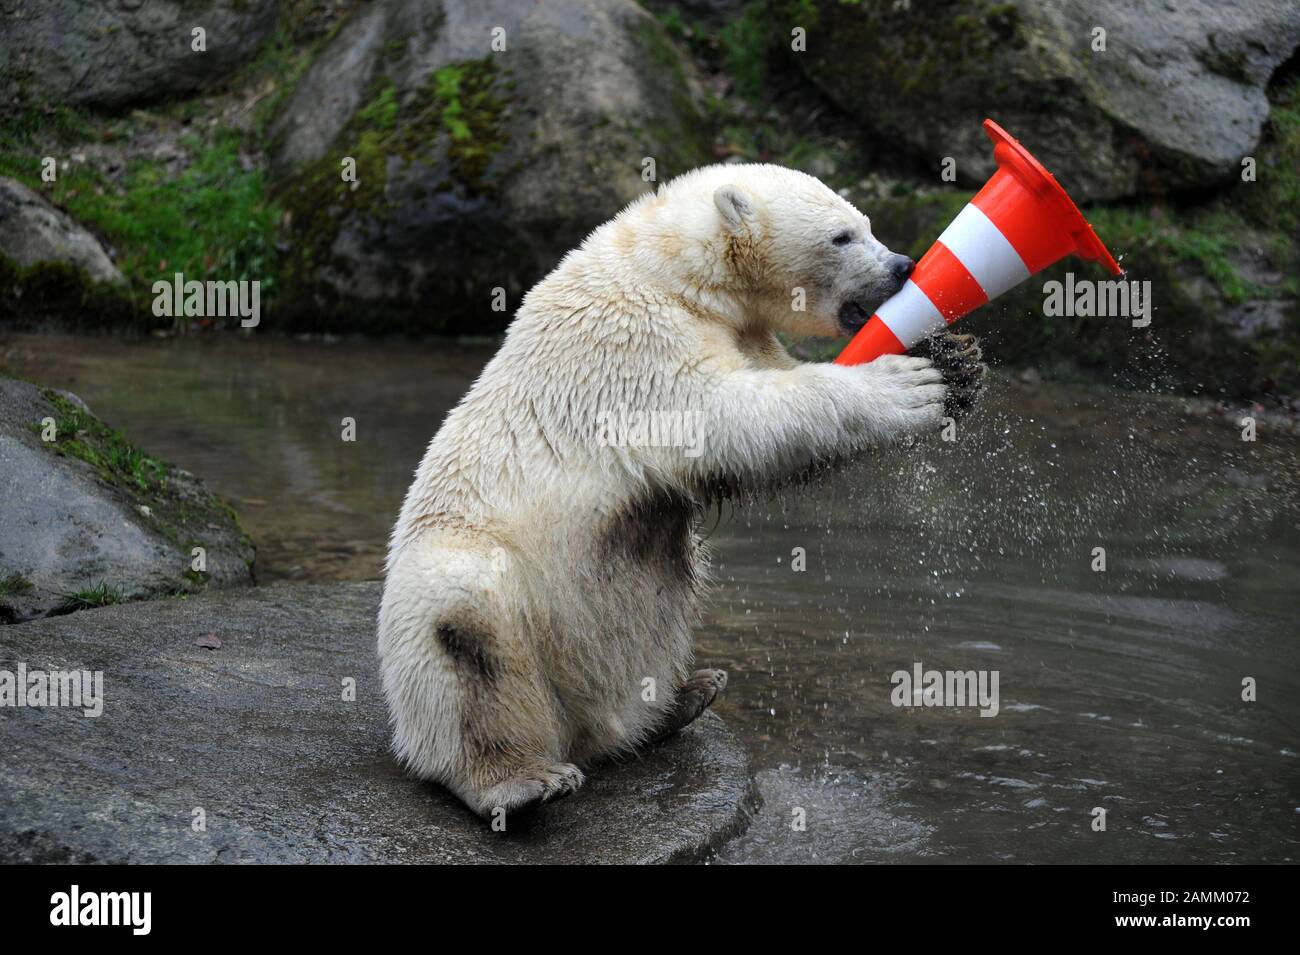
{"points": [[1033, 175]]}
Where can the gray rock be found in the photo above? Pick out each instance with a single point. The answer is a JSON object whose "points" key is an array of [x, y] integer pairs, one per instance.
{"points": [[1253, 319], [257, 735], [32, 231], [116, 52], [1176, 100], [476, 169], [89, 509]]}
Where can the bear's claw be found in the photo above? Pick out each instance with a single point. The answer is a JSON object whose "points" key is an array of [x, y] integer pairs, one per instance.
{"points": [[958, 357], [531, 788]]}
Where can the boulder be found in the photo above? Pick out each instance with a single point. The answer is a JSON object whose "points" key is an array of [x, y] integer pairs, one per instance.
{"points": [[1175, 101], [270, 743], [32, 231], [476, 166], [117, 52], [89, 519]]}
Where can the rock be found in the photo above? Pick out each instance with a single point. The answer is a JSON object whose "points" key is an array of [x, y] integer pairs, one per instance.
{"points": [[72, 531], [259, 735], [112, 54], [1253, 318], [32, 231], [1175, 101], [475, 170]]}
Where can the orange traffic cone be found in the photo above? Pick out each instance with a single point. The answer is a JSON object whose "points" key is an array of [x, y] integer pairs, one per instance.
{"points": [[1018, 224]]}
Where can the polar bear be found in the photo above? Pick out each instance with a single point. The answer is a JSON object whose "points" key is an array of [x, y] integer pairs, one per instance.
{"points": [[544, 574]]}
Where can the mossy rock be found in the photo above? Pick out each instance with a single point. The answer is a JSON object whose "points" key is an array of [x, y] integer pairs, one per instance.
{"points": [[52, 270], [469, 168], [55, 295], [90, 519]]}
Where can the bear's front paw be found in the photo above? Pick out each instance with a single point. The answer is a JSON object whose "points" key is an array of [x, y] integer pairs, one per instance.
{"points": [[958, 358], [910, 388]]}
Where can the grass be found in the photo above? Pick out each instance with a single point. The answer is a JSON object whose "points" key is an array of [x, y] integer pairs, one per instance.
{"points": [[12, 585], [101, 595], [85, 598], [212, 219], [749, 41], [209, 216]]}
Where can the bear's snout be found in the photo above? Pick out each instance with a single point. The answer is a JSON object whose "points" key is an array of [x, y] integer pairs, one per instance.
{"points": [[891, 275], [900, 267]]}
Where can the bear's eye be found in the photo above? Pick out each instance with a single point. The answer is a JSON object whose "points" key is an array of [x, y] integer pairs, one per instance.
{"points": [[843, 238]]}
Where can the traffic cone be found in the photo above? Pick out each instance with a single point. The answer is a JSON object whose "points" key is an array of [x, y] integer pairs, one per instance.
{"points": [[1017, 225]]}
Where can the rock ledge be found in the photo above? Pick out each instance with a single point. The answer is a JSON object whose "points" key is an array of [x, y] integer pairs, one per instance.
{"points": [[258, 736]]}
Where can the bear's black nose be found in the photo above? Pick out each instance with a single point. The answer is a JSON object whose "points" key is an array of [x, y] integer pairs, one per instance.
{"points": [[900, 266]]}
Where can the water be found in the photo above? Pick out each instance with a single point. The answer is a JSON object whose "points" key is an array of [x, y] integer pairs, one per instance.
{"points": [[1119, 690], [261, 421]]}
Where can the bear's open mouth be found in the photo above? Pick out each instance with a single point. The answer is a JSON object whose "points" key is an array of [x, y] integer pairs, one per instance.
{"points": [[853, 316]]}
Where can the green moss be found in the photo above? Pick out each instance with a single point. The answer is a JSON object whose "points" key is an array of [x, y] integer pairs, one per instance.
{"points": [[456, 116], [858, 50], [180, 512], [302, 28], [1273, 200], [1234, 64], [14, 585], [85, 437], [685, 137], [55, 293], [380, 114], [197, 577], [465, 103]]}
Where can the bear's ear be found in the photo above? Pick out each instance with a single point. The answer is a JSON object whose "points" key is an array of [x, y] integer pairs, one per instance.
{"points": [[737, 211]]}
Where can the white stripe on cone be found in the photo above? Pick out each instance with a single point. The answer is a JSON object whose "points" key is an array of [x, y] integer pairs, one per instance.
{"points": [[990, 259], [910, 315]]}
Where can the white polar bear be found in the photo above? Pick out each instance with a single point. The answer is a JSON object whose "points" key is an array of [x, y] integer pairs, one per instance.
{"points": [[542, 578]]}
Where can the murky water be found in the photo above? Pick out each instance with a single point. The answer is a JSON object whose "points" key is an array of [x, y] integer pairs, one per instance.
{"points": [[1119, 690]]}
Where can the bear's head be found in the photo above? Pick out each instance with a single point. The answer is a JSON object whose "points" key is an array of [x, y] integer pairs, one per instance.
{"points": [[806, 254]]}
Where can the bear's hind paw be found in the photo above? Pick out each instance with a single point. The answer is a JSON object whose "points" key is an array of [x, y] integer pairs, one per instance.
{"points": [[694, 697], [530, 788]]}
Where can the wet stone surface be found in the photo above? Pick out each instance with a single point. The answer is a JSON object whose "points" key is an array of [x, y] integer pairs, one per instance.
{"points": [[258, 736]]}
